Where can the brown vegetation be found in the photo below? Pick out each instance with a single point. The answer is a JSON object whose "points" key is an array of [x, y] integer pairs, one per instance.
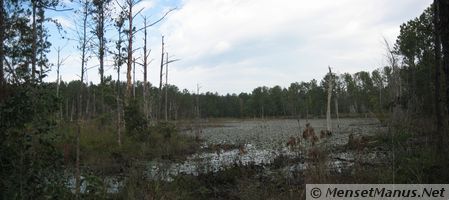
{"points": [[309, 134]]}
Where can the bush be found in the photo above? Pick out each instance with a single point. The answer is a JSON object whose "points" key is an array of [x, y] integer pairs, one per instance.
{"points": [[135, 121], [31, 167]]}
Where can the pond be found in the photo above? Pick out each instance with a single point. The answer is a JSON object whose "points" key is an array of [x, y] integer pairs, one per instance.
{"points": [[260, 142], [263, 141]]}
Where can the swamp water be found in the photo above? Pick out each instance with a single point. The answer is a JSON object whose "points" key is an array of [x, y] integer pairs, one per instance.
{"points": [[263, 142]]}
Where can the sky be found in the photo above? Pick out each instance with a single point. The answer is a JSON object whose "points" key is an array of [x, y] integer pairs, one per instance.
{"points": [[233, 46]]}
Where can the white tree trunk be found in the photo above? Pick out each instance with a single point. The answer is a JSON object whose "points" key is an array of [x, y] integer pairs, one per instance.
{"points": [[329, 97]]}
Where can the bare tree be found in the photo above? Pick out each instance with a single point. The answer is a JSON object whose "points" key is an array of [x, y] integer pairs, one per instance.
{"points": [[329, 96], [128, 11], [166, 87], [167, 61], [131, 4], [337, 91], [134, 78], [146, 54], [131, 31], [160, 77], [119, 23], [59, 63], [197, 113], [83, 47]]}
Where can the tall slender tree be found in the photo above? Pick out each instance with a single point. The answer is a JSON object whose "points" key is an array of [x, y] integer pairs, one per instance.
{"points": [[160, 77], [2, 38], [130, 4], [100, 17], [119, 60], [329, 97], [146, 54], [83, 40], [166, 86]]}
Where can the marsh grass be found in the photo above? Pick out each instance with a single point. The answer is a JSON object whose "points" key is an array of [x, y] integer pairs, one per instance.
{"points": [[101, 152]]}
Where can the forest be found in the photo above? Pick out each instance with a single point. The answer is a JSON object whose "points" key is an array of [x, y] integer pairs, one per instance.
{"points": [[122, 139]]}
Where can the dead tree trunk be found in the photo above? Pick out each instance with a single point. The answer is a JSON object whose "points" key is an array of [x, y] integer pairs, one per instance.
{"points": [[145, 72], [329, 96], [84, 42], [119, 120], [166, 87], [58, 66], [130, 16], [87, 113], [101, 49], [160, 77], [197, 113], [134, 78], [119, 64], [336, 110]]}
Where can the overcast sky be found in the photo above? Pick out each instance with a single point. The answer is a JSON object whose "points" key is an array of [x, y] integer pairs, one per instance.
{"points": [[233, 46]]}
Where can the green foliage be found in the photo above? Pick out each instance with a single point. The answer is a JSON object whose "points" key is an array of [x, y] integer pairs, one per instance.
{"points": [[134, 119], [31, 167]]}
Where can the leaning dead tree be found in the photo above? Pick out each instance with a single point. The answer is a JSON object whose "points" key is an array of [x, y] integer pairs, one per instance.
{"points": [[329, 97]]}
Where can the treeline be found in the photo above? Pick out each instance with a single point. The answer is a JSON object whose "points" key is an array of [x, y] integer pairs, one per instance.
{"points": [[357, 93], [407, 83]]}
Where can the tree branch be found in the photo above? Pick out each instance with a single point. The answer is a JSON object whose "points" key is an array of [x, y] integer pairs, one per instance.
{"points": [[157, 21]]}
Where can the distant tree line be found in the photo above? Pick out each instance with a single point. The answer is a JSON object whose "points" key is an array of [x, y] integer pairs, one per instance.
{"points": [[407, 83]]}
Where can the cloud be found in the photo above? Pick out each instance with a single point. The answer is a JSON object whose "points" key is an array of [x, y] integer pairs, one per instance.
{"points": [[144, 5], [233, 46], [280, 41], [65, 23]]}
